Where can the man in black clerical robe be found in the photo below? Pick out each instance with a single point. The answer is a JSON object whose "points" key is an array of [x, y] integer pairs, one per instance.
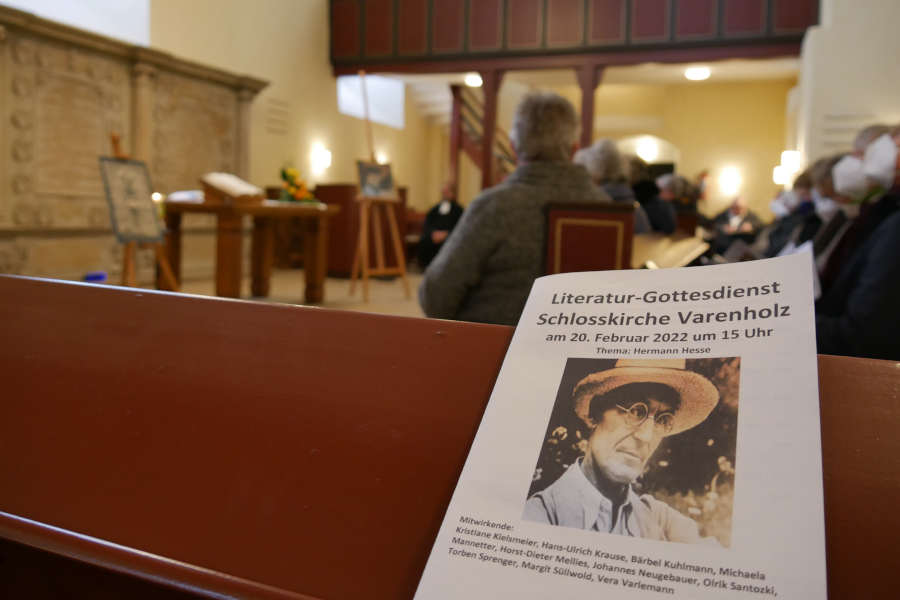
{"points": [[439, 222]]}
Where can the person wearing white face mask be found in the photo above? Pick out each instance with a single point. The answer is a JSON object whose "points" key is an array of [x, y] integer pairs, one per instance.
{"points": [[880, 161], [834, 221], [862, 199], [857, 314], [800, 224]]}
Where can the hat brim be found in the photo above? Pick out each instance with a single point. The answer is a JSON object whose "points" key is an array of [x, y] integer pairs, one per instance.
{"points": [[698, 395]]}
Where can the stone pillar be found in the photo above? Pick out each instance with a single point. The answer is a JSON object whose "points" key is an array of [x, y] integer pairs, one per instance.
{"points": [[144, 75], [244, 122], [588, 78], [491, 87]]}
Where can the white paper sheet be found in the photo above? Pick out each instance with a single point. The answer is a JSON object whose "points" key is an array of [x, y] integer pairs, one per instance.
{"points": [[745, 479]]}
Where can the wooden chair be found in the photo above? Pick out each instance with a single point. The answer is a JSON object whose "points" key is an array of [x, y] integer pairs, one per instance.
{"points": [[588, 237], [203, 452]]}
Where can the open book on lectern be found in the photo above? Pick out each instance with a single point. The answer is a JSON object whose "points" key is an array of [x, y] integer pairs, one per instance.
{"points": [[651, 434]]}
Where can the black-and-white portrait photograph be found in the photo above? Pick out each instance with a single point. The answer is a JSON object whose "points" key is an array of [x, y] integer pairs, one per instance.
{"points": [[641, 447], [129, 194]]}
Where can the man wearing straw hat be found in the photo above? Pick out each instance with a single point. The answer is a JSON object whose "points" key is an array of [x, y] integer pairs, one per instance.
{"points": [[628, 410]]}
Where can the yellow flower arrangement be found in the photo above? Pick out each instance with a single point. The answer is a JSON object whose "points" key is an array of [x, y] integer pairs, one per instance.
{"points": [[294, 188]]}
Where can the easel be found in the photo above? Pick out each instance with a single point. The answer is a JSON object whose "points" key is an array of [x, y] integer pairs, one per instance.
{"points": [[129, 271], [369, 207]]}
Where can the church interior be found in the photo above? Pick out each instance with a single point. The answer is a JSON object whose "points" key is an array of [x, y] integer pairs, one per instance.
{"points": [[159, 154]]}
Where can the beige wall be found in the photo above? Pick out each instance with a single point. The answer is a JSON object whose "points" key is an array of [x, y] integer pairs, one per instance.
{"points": [[286, 42], [848, 76], [713, 126]]}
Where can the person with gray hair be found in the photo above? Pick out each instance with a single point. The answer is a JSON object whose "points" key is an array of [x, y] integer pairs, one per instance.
{"points": [[485, 269], [866, 136], [608, 169]]}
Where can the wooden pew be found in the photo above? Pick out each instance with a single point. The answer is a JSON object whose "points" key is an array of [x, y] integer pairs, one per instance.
{"points": [[160, 445]]}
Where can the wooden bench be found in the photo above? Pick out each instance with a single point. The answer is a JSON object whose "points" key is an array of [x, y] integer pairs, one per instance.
{"points": [[159, 445]]}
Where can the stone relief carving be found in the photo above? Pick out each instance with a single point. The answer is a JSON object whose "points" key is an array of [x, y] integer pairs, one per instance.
{"points": [[13, 257], [62, 97], [22, 150], [23, 51], [21, 184], [32, 215], [22, 87], [195, 131], [22, 119], [64, 104]]}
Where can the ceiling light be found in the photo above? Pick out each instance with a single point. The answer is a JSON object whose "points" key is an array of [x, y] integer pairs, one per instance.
{"points": [[697, 73], [472, 80]]}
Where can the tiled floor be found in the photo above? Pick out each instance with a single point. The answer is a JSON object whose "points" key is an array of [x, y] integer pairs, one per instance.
{"points": [[385, 297]]}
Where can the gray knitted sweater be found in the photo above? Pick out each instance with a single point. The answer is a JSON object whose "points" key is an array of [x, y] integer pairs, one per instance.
{"points": [[486, 267]]}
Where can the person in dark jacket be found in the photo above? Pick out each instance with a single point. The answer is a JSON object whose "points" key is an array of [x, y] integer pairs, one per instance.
{"points": [[660, 208], [439, 222], [857, 314], [485, 270], [737, 222], [608, 170]]}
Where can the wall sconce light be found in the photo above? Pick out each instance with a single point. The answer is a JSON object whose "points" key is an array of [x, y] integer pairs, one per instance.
{"points": [[780, 175], [380, 157], [319, 158], [156, 197], [730, 181], [791, 161], [473, 80], [697, 73], [647, 149]]}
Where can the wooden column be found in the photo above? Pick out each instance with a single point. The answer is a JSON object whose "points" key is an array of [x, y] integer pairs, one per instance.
{"points": [[142, 111], [491, 87], [588, 78], [455, 136]]}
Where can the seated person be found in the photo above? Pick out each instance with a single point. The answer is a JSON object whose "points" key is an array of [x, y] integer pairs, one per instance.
{"points": [[857, 313], [485, 270], [801, 223], [661, 209], [439, 222], [737, 222], [608, 170]]}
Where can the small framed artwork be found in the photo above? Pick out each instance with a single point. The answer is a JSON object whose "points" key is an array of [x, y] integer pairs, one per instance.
{"points": [[132, 211], [375, 180]]}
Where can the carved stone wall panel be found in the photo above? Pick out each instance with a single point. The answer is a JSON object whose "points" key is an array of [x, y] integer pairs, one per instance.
{"points": [[194, 131], [70, 135], [62, 105], [13, 256], [61, 96], [67, 257]]}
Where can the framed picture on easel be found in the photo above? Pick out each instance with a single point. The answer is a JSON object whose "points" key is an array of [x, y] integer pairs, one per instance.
{"points": [[375, 180], [129, 194]]}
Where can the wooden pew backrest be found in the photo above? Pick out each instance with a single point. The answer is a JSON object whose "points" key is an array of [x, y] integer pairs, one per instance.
{"points": [[259, 450]]}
